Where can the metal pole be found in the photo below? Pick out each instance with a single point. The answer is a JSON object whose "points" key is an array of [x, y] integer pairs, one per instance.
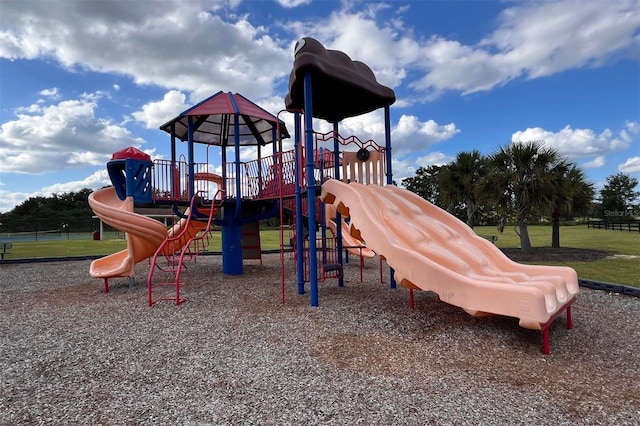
{"points": [[336, 174], [299, 223], [190, 157], [387, 140], [311, 189]]}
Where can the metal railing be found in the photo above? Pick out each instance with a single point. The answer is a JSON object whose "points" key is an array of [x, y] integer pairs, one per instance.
{"points": [[170, 181], [267, 177]]}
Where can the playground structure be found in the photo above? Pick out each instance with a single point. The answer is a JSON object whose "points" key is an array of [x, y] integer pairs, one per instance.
{"points": [[363, 214]]}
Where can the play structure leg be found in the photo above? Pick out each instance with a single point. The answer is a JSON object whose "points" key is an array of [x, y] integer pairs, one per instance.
{"points": [[132, 281], [546, 347], [232, 250], [106, 285], [545, 342], [231, 243]]}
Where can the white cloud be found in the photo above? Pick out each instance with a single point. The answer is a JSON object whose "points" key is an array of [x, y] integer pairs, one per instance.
{"points": [[435, 159], [9, 198], [362, 38], [60, 136], [533, 40], [577, 144], [596, 163], [95, 181], [292, 3], [542, 39], [631, 165], [403, 169], [52, 93], [154, 114], [523, 45], [199, 47], [633, 127], [411, 134], [188, 46]]}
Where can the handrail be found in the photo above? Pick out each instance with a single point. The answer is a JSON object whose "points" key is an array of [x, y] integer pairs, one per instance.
{"points": [[182, 242]]}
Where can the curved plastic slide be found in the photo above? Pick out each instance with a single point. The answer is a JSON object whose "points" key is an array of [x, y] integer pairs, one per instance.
{"points": [[144, 234], [432, 250], [193, 227], [352, 244]]}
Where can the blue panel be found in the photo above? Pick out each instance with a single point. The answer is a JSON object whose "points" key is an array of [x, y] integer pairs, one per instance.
{"points": [[231, 242], [116, 170]]}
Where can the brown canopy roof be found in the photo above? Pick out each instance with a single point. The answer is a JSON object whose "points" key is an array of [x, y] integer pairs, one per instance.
{"points": [[341, 87]]}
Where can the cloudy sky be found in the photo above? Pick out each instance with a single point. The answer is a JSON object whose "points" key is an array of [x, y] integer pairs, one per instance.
{"points": [[80, 80]]}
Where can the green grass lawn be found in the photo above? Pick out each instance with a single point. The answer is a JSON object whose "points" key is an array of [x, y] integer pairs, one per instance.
{"points": [[622, 269]]}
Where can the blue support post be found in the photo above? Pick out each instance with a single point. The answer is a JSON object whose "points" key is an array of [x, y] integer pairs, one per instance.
{"points": [[192, 181], [387, 140], [231, 242], [299, 222], [311, 189], [172, 176], [232, 214]]}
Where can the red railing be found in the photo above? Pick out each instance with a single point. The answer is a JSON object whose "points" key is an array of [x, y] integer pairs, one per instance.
{"points": [[327, 259], [272, 176], [185, 241], [267, 177], [331, 136], [170, 180]]}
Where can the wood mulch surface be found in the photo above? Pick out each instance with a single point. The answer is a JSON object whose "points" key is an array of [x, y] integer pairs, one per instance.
{"points": [[549, 254]]}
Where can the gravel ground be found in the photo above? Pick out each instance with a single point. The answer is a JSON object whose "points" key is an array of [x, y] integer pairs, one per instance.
{"points": [[234, 354]]}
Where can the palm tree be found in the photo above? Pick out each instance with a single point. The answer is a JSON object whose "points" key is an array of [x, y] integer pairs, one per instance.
{"points": [[521, 179], [574, 194], [461, 183]]}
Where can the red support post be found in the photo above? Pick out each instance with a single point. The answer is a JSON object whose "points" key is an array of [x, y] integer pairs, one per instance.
{"points": [[545, 341], [545, 327]]}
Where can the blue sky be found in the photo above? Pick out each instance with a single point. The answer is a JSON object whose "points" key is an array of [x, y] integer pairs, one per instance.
{"points": [[80, 80]]}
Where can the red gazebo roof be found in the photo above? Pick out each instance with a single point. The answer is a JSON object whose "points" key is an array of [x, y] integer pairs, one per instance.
{"points": [[214, 122]]}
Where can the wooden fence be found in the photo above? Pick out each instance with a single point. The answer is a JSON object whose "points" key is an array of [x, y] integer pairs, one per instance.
{"points": [[618, 225]]}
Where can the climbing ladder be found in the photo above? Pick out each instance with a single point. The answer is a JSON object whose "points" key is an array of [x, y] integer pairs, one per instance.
{"points": [[327, 255], [177, 249]]}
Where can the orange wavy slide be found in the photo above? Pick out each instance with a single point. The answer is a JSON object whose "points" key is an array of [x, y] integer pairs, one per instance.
{"points": [[144, 234], [432, 250], [352, 244]]}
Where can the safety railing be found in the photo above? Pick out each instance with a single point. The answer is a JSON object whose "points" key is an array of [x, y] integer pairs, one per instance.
{"points": [[267, 177], [170, 181], [272, 176], [365, 164]]}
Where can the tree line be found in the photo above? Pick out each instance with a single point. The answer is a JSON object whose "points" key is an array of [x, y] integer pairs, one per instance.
{"points": [[520, 183], [57, 212]]}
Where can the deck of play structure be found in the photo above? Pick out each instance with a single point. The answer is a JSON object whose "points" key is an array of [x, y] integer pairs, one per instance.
{"points": [[335, 191]]}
